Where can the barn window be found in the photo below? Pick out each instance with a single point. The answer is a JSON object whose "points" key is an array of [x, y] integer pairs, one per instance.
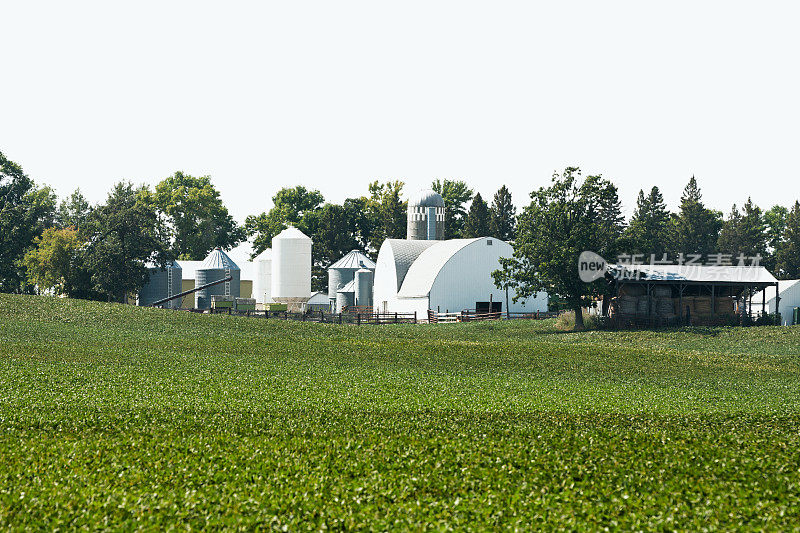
{"points": [[489, 242]]}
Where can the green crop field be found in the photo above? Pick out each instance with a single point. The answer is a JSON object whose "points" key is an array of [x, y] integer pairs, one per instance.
{"points": [[119, 417]]}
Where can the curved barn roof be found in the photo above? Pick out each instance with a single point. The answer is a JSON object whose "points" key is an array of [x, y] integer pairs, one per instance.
{"points": [[354, 260], [423, 271], [404, 253]]}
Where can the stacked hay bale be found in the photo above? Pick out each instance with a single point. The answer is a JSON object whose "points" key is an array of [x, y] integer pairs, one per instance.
{"points": [[629, 300]]}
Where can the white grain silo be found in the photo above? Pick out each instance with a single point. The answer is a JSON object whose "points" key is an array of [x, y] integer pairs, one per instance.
{"points": [[262, 281], [291, 268]]}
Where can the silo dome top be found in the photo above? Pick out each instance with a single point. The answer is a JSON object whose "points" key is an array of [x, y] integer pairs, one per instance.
{"points": [[353, 261], [426, 198], [218, 260], [292, 233]]}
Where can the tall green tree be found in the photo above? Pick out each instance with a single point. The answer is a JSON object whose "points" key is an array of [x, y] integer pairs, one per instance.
{"points": [[775, 221], [787, 253], [56, 264], [455, 194], [387, 213], [291, 205], [568, 217], [695, 228], [25, 211], [122, 237], [503, 215], [744, 233], [332, 239], [73, 211], [197, 216], [649, 229], [478, 218]]}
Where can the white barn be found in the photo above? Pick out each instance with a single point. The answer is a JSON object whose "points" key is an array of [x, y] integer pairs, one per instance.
{"points": [[452, 275]]}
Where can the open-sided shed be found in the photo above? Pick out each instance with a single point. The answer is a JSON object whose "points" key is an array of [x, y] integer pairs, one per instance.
{"points": [[687, 294]]}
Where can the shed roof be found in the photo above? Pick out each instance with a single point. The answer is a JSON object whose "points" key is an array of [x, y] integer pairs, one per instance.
{"points": [[318, 297], [690, 273], [423, 271], [353, 260]]}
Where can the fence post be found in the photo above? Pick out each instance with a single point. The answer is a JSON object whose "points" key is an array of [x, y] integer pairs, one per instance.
{"points": [[340, 318], [415, 317], [358, 318], [286, 315], [395, 318]]}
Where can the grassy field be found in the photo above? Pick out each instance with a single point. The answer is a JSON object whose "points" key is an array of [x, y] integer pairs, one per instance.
{"points": [[112, 416]]}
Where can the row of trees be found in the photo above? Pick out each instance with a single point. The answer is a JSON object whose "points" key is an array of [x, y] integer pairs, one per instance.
{"points": [[363, 223], [102, 251], [574, 214]]}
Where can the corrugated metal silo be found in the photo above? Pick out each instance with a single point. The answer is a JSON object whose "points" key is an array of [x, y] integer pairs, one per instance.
{"points": [[215, 267], [344, 270], [345, 298], [291, 268], [363, 287], [162, 283]]}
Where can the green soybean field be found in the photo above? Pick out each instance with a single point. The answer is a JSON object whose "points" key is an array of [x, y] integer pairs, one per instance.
{"points": [[116, 417]]}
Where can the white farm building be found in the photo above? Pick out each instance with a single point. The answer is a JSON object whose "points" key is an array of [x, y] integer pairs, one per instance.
{"points": [[789, 294], [423, 273]]}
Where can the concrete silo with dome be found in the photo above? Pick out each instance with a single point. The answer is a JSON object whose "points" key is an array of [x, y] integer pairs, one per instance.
{"points": [[425, 216]]}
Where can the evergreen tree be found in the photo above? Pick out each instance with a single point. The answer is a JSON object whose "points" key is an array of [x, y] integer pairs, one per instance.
{"points": [[503, 217], [775, 220], [649, 229], [455, 194], [744, 233], [695, 228], [477, 222], [787, 254]]}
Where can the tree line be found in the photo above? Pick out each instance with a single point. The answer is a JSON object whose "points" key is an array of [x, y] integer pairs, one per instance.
{"points": [[103, 251], [575, 214]]}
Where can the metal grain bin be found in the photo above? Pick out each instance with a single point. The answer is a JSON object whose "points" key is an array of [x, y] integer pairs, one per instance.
{"points": [[215, 267], [363, 287], [162, 283]]}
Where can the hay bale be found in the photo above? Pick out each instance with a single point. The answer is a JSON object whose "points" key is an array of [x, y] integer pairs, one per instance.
{"points": [[661, 291], [724, 306], [664, 307], [632, 290], [626, 305], [642, 306], [702, 305]]}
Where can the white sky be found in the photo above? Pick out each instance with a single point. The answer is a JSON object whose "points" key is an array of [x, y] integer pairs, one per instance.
{"points": [[333, 95]]}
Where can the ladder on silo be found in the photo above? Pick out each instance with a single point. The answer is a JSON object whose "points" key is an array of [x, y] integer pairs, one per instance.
{"points": [[169, 285], [228, 282]]}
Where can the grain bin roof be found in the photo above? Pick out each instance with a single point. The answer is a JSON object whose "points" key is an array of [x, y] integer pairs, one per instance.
{"points": [[349, 287], [689, 273], [353, 260], [218, 260]]}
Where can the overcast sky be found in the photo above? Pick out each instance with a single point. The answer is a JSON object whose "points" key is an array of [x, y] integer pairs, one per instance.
{"points": [[333, 95]]}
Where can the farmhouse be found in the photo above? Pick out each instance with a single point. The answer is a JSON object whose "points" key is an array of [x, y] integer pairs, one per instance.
{"points": [[687, 294]]}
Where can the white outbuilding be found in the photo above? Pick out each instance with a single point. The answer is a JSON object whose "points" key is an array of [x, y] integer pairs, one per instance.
{"points": [[445, 276], [789, 294]]}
